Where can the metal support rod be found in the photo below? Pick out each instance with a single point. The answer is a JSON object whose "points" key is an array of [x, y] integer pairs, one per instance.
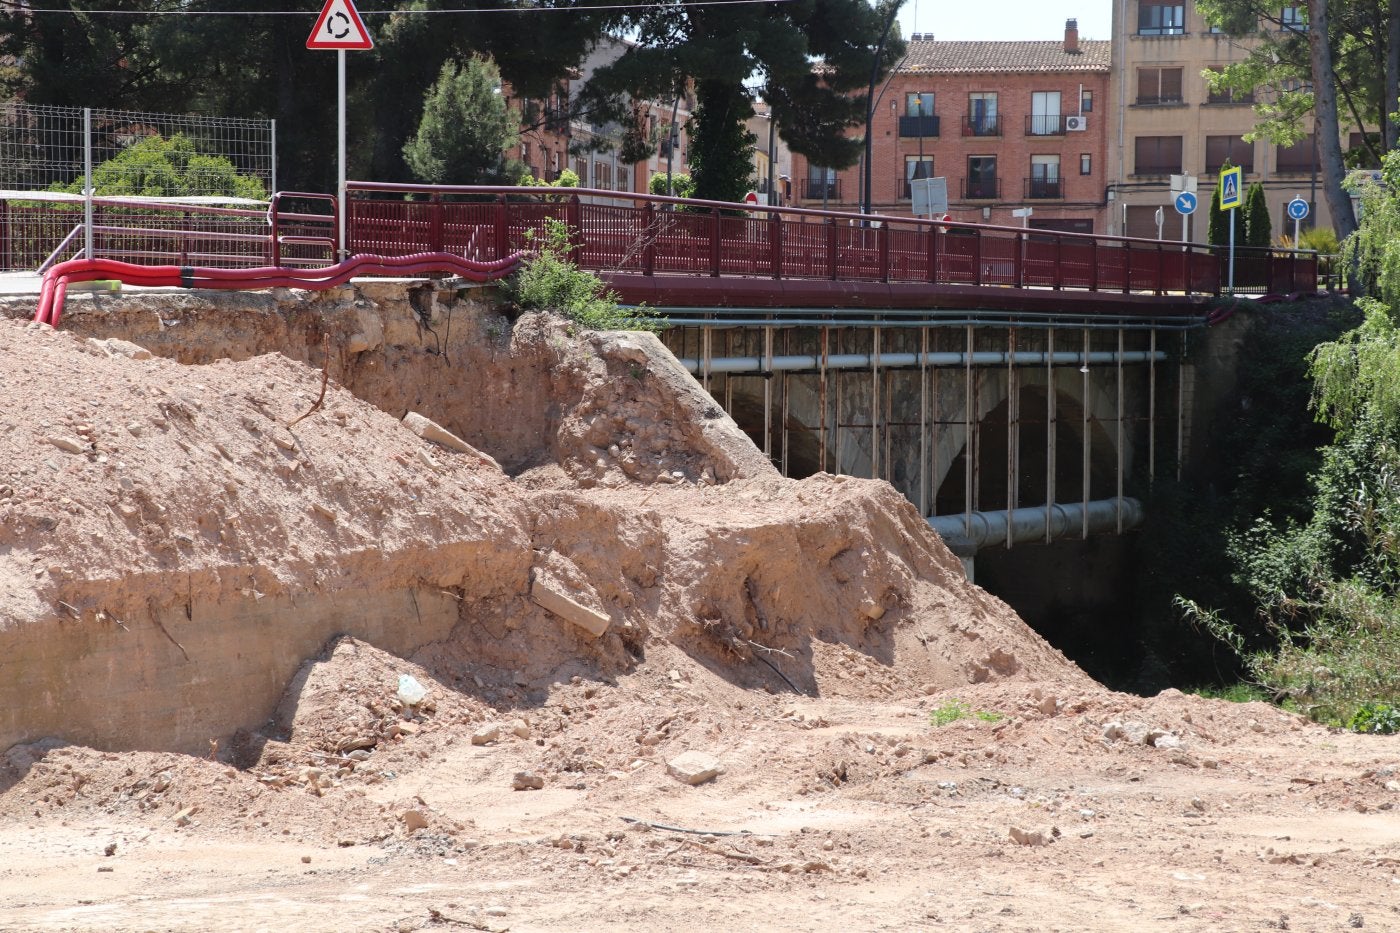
{"points": [[1049, 430], [784, 392], [967, 434], [1010, 426], [1118, 468], [1084, 453], [836, 427], [768, 393], [705, 333], [923, 423], [1152, 409], [875, 403], [887, 393], [273, 143], [821, 390], [87, 184], [728, 380], [1180, 408]]}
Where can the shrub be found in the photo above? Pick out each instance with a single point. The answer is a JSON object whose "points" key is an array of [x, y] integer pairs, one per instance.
{"points": [[549, 281]]}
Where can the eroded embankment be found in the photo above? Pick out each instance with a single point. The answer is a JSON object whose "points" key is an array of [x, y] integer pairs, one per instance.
{"points": [[176, 538]]}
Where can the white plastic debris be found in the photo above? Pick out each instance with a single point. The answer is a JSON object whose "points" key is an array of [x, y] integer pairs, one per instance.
{"points": [[411, 692]]}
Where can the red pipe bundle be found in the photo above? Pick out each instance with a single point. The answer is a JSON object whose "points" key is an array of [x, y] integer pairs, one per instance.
{"points": [[56, 280]]}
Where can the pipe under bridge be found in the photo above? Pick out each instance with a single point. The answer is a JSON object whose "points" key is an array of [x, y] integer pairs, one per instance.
{"points": [[1002, 428]]}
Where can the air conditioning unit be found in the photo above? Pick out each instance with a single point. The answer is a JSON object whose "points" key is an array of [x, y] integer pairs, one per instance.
{"points": [[1076, 124]]}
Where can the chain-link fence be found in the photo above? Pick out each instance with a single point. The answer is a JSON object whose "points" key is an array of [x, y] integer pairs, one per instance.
{"points": [[169, 188]]}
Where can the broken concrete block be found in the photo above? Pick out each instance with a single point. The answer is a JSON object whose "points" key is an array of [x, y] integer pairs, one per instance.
{"points": [[694, 768], [413, 820], [550, 597], [430, 430]]}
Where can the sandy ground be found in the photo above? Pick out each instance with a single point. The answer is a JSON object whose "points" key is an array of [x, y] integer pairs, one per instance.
{"points": [[892, 748]]}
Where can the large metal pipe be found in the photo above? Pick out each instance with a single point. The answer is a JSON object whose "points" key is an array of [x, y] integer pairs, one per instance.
{"points": [[813, 362], [966, 534]]}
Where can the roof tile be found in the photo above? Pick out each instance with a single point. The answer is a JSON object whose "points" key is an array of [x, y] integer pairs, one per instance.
{"points": [[933, 57]]}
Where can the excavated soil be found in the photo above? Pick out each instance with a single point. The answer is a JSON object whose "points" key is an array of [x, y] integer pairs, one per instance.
{"points": [[223, 594]]}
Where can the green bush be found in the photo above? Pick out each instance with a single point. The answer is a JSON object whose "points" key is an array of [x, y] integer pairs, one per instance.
{"points": [[549, 281], [1377, 718], [680, 182], [956, 709]]}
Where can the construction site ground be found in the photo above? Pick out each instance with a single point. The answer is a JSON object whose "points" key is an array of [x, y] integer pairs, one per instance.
{"points": [[801, 715]]}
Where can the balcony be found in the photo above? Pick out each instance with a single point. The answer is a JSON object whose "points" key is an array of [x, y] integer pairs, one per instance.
{"points": [[910, 127], [814, 189], [1045, 189], [1045, 124], [981, 189], [981, 126]]}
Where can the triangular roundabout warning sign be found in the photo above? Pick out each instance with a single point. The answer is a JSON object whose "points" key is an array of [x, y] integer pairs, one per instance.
{"points": [[339, 27]]}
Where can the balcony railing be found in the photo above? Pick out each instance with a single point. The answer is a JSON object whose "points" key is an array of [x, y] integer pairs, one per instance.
{"points": [[814, 189], [1152, 100], [981, 189], [1173, 168], [1045, 124], [1045, 189], [982, 126], [918, 126]]}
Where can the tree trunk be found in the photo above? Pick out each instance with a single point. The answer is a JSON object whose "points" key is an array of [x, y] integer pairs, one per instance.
{"points": [[1392, 78], [1329, 144]]}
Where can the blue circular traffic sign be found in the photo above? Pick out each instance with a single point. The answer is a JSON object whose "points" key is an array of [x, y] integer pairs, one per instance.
{"points": [[1186, 203], [1298, 209]]}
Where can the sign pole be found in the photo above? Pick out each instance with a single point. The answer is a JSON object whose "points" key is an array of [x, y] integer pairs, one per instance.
{"points": [[1231, 215], [340, 129]]}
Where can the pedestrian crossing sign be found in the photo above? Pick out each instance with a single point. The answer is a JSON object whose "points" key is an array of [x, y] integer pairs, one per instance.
{"points": [[1231, 183]]}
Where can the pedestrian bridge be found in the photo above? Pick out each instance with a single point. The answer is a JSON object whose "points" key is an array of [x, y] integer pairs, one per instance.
{"points": [[1016, 385]]}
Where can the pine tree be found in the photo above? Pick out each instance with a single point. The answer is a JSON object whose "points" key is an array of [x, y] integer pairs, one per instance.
{"points": [[1258, 227], [465, 127]]}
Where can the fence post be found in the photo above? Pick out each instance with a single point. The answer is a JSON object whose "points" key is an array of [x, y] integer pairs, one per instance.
{"points": [[1094, 264], [649, 238], [1127, 267], [977, 257], [1059, 262], [435, 243], [5, 236], [714, 242], [882, 245], [775, 243], [1018, 261], [933, 254], [502, 230], [1161, 271], [831, 248], [87, 183], [573, 217], [274, 245]]}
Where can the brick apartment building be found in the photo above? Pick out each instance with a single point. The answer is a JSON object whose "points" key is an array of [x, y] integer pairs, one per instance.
{"points": [[1008, 124], [1167, 122]]}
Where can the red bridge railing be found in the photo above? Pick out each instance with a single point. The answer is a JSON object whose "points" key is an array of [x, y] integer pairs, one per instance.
{"points": [[644, 234]]}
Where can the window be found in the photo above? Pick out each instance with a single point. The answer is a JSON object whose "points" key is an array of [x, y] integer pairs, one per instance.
{"points": [[1045, 114], [919, 105], [1045, 177], [1291, 18], [1161, 19], [602, 175], [1220, 148], [1157, 155], [624, 178], [1159, 86], [1086, 164], [981, 179], [1227, 95], [919, 118], [982, 115], [821, 183], [581, 170], [1298, 158], [1086, 102], [915, 168]]}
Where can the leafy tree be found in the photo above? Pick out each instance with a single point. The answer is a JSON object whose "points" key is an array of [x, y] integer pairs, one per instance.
{"points": [[465, 127], [721, 49], [680, 183], [173, 167], [1258, 227]]}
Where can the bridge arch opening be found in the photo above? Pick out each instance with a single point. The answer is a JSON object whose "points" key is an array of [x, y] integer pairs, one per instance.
{"points": [[1023, 451]]}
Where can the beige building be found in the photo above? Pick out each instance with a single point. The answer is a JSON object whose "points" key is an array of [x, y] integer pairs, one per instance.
{"points": [[1169, 123]]}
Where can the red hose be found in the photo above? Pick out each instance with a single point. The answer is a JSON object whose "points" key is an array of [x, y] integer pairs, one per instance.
{"points": [[54, 288]]}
